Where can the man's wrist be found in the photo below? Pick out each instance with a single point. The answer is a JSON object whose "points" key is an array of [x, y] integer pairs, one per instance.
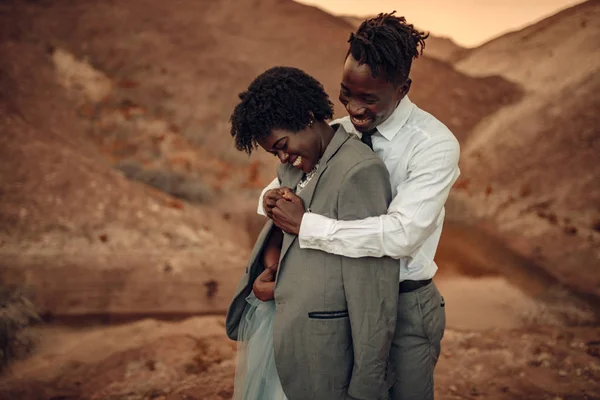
{"points": [[314, 227]]}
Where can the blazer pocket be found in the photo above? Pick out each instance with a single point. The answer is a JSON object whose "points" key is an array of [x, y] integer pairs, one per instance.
{"points": [[328, 314], [331, 352]]}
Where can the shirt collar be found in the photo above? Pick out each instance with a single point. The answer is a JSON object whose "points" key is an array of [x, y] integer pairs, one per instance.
{"points": [[391, 126]]}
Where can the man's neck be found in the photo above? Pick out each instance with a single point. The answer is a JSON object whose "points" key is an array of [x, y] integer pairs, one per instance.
{"points": [[392, 124]]}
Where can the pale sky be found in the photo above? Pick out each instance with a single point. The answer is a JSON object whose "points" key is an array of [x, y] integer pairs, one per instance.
{"points": [[468, 22]]}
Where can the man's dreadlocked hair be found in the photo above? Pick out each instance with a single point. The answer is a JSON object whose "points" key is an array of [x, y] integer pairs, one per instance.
{"points": [[279, 98], [388, 45]]}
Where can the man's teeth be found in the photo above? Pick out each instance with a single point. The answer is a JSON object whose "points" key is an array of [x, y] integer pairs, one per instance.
{"points": [[297, 162]]}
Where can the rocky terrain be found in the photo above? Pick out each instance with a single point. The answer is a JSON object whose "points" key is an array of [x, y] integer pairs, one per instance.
{"points": [[81, 235], [149, 359], [128, 215], [146, 101], [531, 170]]}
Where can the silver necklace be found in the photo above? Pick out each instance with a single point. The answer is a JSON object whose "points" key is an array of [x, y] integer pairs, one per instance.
{"points": [[307, 177]]}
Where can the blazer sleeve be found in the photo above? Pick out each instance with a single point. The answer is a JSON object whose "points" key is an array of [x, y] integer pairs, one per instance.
{"points": [[370, 284]]}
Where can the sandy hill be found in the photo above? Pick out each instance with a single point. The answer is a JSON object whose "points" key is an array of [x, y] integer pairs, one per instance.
{"points": [[147, 87], [188, 61], [532, 167], [552, 54], [79, 234], [164, 79], [153, 84]]}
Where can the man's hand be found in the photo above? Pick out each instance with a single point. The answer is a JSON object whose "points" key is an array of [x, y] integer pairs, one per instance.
{"points": [[288, 212], [264, 285], [270, 199]]}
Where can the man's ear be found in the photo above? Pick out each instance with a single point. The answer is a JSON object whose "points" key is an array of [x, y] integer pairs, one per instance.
{"points": [[404, 88]]}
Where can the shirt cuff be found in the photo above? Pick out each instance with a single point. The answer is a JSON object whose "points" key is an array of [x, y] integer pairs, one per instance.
{"points": [[314, 228], [260, 210]]}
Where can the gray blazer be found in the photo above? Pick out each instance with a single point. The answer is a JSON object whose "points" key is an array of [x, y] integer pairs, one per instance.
{"points": [[335, 316]]}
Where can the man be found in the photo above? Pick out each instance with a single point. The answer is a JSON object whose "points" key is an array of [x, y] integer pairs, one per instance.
{"points": [[421, 155]]}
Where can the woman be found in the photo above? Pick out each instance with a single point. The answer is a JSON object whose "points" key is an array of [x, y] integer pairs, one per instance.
{"points": [[328, 332]]}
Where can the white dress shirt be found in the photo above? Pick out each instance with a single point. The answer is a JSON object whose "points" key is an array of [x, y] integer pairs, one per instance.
{"points": [[421, 155]]}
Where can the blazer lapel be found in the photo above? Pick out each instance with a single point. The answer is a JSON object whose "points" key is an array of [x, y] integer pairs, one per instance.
{"points": [[308, 192]]}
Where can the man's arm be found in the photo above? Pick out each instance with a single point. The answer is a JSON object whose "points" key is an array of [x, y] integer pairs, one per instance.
{"points": [[370, 284], [410, 219], [273, 185]]}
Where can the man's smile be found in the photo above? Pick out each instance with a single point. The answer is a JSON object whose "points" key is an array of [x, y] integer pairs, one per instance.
{"points": [[361, 122]]}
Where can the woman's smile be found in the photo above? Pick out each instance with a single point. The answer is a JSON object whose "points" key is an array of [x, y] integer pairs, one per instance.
{"points": [[296, 162]]}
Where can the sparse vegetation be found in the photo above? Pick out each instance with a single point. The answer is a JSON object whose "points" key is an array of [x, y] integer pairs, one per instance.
{"points": [[16, 313], [173, 183]]}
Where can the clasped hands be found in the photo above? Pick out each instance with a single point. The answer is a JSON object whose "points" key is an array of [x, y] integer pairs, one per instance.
{"points": [[285, 208]]}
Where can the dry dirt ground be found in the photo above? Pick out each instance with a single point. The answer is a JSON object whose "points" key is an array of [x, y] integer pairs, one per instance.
{"points": [[530, 171], [516, 337], [192, 359]]}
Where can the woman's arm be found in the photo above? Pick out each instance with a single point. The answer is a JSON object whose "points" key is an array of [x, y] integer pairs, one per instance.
{"points": [[273, 248], [264, 285]]}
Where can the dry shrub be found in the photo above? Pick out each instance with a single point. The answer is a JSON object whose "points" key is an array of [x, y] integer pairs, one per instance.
{"points": [[16, 313], [173, 183]]}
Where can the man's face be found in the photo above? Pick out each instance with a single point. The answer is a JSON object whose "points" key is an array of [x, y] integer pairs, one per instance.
{"points": [[369, 101], [301, 149]]}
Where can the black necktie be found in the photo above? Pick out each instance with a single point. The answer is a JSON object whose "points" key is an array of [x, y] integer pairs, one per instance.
{"points": [[366, 139]]}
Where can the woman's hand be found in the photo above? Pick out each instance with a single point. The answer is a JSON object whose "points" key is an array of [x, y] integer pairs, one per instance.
{"points": [[273, 195], [269, 201], [264, 285]]}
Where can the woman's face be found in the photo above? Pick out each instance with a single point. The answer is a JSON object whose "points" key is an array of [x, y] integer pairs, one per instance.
{"points": [[301, 149]]}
